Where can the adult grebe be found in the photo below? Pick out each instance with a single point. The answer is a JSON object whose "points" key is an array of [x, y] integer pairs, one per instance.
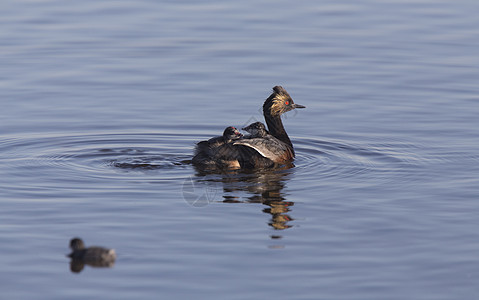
{"points": [[260, 152]]}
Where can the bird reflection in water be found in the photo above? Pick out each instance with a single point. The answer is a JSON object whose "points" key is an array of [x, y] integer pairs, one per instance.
{"points": [[94, 256], [264, 187]]}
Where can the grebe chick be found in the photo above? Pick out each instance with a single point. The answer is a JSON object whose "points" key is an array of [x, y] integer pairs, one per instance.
{"points": [[230, 133], [94, 256], [212, 151], [256, 129]]}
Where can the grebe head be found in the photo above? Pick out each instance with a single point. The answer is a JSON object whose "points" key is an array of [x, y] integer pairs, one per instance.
{"points": [[231, 133], [77, 244], [256, 129], [279, 102]]}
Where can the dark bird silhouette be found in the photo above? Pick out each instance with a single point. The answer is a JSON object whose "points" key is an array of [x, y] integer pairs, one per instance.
{"points": [[93, 256]]}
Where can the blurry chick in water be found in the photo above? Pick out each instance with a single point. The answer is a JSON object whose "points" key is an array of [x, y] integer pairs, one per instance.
{"points": [[93, 256]]}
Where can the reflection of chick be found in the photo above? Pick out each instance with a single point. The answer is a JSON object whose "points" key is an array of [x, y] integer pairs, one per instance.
{"points": [[278, 207], [279, 222], [278, 210], [93, 256]]}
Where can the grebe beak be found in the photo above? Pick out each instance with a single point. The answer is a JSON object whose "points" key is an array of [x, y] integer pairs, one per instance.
{"points": [[298, 106]]}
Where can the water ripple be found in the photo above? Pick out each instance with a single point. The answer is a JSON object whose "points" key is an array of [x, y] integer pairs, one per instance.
{"points": [[157, 157], [95, 155], [335, 159]]}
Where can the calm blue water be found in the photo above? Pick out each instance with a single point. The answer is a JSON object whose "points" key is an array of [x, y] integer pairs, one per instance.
{"points": [[103, 101]]}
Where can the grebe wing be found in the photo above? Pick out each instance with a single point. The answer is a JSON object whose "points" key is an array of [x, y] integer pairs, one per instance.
{"points": [[270, 147]]}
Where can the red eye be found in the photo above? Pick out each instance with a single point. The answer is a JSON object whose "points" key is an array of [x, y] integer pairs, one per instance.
{"points": [[286, 102]]}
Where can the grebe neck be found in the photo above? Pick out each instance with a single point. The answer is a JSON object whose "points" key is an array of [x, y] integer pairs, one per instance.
{"points": [[276, 128]]}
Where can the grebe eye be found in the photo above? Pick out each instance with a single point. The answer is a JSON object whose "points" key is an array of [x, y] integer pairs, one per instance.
{"points": [[286, 102]]}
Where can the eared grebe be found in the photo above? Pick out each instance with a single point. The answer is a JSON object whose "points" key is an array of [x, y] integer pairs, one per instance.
{"points": [[94, 256], [212, 152], [259, 151]]}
